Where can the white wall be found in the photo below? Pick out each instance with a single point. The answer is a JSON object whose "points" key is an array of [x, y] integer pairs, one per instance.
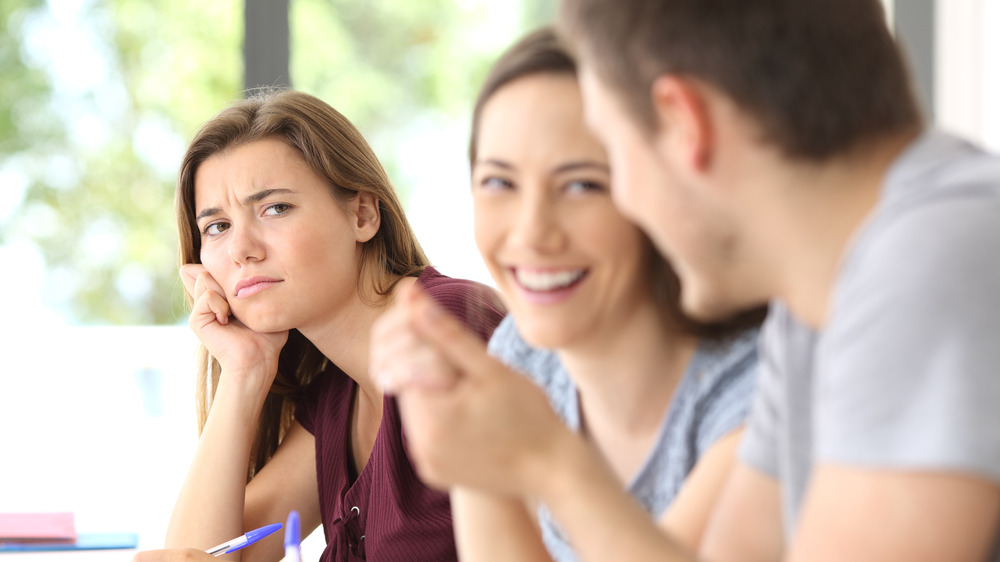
{"points": [[967, 68]]}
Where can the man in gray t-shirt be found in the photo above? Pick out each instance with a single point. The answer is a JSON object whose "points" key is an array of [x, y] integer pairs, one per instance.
{"points": [[774, 151], [906, 372]]}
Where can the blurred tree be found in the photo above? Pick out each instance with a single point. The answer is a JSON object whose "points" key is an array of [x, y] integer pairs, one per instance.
{"points": [[23, 90], [99, 98], [397, 69], [537, 12], [105, 94]]}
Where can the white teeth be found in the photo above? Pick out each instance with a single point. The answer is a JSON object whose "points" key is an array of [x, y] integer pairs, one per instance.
{"points": [[547, 280]]}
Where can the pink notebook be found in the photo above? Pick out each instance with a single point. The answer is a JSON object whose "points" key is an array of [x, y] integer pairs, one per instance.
{"points": [[37, 527]]}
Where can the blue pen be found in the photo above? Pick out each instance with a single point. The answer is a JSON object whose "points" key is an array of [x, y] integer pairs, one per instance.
{"points": [[292, 538], [244, 541]]}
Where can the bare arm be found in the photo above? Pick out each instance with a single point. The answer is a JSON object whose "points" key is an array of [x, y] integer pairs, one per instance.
{"points": [[494, 527], [600, 519], [287, 482], [210, 506], [887, 515], [687, 517], [746, 522]]}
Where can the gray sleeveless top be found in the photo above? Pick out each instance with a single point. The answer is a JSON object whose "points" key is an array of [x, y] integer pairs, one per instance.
{"points": [[711, 399]]}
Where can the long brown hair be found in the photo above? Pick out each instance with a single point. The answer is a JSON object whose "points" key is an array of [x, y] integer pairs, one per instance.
{"points": [[337, 152], [542, 52]]}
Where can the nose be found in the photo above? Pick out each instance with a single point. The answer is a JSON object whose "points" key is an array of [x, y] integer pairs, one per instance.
{"points": [[245, 244], [537, 225]]}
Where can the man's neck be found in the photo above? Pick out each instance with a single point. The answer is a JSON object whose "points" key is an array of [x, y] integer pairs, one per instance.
{"points": [[821, 211]]}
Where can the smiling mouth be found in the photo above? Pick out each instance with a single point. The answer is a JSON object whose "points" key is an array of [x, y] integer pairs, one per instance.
{"points": [[541, 281]]}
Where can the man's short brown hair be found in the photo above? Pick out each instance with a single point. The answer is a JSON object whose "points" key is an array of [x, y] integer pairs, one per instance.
{"points": [[819, 76]]}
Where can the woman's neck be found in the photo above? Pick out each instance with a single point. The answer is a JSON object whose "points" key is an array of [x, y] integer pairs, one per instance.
{"points": [[345, 338], [345, 341], [622, 377], [626, 383]]}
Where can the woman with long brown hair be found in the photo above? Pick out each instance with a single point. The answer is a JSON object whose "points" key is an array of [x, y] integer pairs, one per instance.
{"points": [[292, 243]]}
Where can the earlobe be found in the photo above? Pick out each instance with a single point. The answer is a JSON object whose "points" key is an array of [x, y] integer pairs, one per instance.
{"points": [[366, 216], [683, 125]]}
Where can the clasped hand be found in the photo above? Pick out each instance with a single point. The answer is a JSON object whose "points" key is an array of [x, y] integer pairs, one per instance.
{"points": [[469, 420]]}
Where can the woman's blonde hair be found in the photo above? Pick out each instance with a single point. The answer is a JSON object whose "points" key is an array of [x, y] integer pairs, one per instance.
{"points": [[337, 152]]}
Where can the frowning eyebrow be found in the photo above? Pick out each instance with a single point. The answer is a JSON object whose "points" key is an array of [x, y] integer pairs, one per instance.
{"points": [[249, 200]]}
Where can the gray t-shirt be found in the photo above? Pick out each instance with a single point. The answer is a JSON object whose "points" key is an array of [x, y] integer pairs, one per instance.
{"points": [[906, 373], [712, 398]]}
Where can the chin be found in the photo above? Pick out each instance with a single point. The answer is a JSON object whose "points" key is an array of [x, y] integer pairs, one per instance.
{"points": [[708, 308], [541, 336], [263, 323]]}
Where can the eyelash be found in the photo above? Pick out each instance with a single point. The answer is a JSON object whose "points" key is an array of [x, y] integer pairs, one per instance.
{"points": [[586, 185], [489, 183], [205, 231], [208, 227], [278, 213]]}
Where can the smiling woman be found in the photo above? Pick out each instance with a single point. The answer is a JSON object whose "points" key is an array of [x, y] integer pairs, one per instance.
{"points": [[595, 321], [292, 243]]}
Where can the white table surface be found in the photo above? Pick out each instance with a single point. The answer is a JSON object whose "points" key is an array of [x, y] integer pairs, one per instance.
{"points": [[99, 422]]}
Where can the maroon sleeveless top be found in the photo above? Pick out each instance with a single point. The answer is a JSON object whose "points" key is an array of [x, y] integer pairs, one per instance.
{"points": [[385, 513]]}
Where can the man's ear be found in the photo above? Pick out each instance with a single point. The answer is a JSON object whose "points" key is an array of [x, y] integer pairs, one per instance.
{"points": [[364, 215], [684, 129]]}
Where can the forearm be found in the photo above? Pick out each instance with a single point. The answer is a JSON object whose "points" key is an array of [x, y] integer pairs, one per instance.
{"points": [[687, 516], [492, 527], [209, 508], [601, 520]]}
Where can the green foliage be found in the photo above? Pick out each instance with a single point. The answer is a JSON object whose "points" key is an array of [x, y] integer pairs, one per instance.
{"points": [[22, 92], [399, 68], [21, 84], [96, 142], [390, 67], [100, 156]]}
